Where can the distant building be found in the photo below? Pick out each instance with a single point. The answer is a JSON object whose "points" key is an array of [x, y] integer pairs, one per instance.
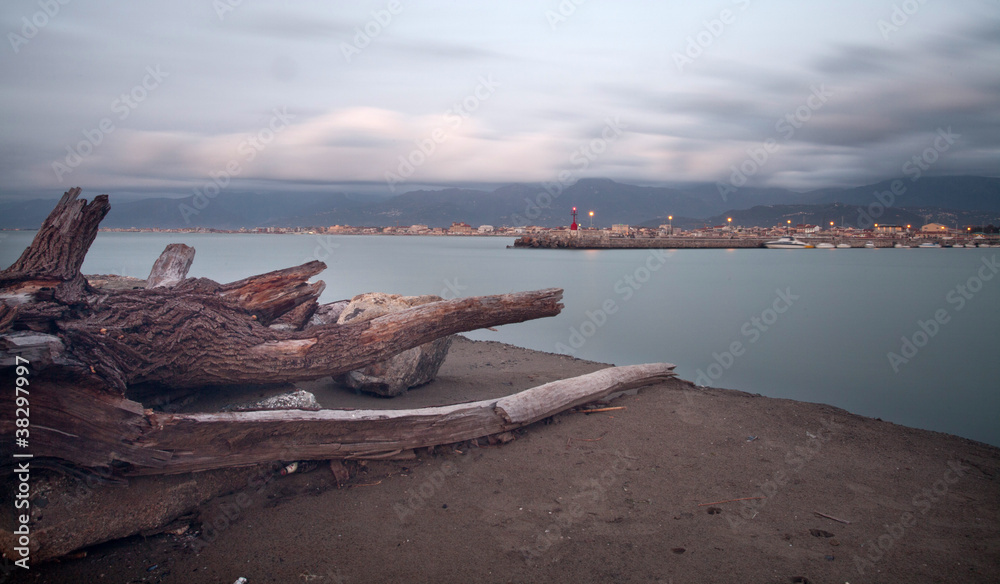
{"points": [[460, 228], [485, 229], [880, 228], [418, 229], [620, 229], [935, 228]]}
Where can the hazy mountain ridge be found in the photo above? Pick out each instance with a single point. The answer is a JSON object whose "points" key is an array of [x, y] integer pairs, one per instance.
{"points": [[959, 199]]}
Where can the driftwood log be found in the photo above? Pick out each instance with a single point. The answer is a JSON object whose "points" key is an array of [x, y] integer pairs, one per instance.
{"points": [[203, 441]]}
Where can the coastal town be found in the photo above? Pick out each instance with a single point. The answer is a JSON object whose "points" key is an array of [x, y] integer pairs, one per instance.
{"points": [[665, 235], [789, 236]]}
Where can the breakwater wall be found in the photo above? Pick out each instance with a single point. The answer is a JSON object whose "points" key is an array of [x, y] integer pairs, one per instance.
{"points": [[552, 242], [583, 242]]}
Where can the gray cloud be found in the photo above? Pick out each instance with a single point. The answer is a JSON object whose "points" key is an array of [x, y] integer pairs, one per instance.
{"points": [[421, 72]]}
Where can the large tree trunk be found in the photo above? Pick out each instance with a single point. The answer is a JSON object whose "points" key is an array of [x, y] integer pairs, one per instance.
{"points": [[190, 339]]}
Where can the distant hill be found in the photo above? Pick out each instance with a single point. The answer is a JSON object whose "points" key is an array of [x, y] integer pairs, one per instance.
{"points": [[25, 214], [963, 193], [958, 199]]}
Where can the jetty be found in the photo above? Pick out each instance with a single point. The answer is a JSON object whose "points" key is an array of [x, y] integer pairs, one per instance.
{"points": [[603, 241]]}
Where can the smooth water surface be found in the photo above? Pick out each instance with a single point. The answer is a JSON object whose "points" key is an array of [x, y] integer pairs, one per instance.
{"points": [[811, 325]]}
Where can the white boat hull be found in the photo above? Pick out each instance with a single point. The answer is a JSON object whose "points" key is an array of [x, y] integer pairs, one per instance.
{"points": [[787, 242]]}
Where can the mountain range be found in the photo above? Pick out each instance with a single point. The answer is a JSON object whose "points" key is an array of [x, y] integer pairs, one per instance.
{"points": [[951, 200]]}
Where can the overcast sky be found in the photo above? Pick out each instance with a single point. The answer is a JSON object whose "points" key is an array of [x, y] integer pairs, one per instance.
{"points": [[160, 96]]}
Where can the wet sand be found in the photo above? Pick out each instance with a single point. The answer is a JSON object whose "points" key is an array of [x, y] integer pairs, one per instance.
{"points": [[643, 494]]}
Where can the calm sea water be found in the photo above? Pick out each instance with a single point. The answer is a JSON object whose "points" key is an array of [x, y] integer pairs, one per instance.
{"points": [[811, 325]]}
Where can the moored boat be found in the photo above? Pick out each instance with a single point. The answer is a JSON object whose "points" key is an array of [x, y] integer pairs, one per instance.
{"points": [[787, 242], [825, 245]]}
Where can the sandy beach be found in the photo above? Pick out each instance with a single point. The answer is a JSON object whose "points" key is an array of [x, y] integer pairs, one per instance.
{"points": [[683, 484]]}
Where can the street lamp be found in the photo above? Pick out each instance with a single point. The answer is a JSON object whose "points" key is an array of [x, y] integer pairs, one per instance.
{"points": [[789, 228], [591, 219], [670, 219]]}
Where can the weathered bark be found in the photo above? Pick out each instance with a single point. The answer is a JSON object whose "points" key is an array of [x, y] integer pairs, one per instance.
{"points": [[61, 244], [208, 441], [7, 316], [171, 267], [81, 510], [296, 318], [41, 350], [79, 423], [197, 338], [270, 295], [47, 274]]}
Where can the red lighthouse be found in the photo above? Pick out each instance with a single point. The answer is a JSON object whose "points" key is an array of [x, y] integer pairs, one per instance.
{"points": [[573, 226]]}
